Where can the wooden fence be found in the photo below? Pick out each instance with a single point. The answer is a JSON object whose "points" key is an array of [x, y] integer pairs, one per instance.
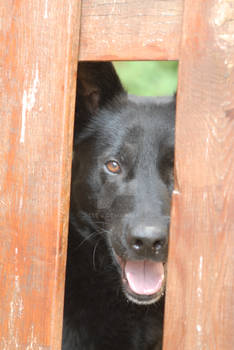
{"points": [[40, 45]]}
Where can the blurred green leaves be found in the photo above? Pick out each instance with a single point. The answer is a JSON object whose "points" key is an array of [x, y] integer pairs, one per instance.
{"points": [[150, 78]]}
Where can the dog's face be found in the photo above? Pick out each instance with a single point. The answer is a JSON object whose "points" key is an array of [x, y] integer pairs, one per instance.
{"points": [[123, 179]]}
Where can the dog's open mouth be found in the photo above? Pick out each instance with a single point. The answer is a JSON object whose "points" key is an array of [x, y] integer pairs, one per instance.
{"points": [[143, 280]]}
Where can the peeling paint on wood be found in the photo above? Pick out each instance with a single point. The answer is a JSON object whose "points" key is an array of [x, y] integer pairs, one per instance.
{"points": [[46, 10], [28, 102]]}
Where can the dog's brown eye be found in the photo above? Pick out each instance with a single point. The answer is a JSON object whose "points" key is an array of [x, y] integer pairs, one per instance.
{"points": [[113, 167]]}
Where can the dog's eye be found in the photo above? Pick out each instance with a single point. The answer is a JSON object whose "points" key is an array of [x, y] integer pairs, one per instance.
{"points": [[113, 167]]}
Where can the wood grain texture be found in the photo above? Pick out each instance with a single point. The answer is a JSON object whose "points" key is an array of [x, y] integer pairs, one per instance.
{"points": [[200, 295], [130, 30], [39, 50]]}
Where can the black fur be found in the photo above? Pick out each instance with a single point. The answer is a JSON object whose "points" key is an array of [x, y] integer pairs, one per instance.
{"points": [[111, 213]]}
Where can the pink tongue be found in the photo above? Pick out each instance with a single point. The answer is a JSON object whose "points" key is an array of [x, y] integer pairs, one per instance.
{"points": [[144, 277]]}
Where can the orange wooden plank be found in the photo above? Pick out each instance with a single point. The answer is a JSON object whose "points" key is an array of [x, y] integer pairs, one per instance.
{"points": [[200, 295], [130, 30], [39, 50]]}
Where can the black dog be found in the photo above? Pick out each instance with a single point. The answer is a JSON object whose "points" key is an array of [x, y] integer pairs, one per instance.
{"points": [[122, 181]]}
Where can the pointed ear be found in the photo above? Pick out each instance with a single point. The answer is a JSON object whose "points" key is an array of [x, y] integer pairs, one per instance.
{"points": [[97, 85]]}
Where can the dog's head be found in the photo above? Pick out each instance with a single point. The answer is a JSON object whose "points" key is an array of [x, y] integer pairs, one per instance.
{"points": [[123, 176]]}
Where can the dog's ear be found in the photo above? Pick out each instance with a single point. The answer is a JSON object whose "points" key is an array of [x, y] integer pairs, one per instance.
{"points": [[97, 85]]}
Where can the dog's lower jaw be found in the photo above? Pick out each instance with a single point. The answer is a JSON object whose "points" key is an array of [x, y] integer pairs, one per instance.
{"points": [[136, 299]]}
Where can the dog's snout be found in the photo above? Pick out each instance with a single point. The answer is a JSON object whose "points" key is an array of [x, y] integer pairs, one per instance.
{"points": [[147, 241]]}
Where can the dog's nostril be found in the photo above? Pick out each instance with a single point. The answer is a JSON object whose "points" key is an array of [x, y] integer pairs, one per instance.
{"points": [[157, 245], [138, 244]]}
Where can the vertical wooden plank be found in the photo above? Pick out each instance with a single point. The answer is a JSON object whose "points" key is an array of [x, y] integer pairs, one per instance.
{"points": [[39, 49], [200, 295]]}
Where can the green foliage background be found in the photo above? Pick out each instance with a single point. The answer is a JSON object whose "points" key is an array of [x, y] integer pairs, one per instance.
{"points": [[148, 78]]}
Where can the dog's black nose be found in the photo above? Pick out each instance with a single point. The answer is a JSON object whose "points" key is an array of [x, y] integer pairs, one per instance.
{"points": [[147, 241]]}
